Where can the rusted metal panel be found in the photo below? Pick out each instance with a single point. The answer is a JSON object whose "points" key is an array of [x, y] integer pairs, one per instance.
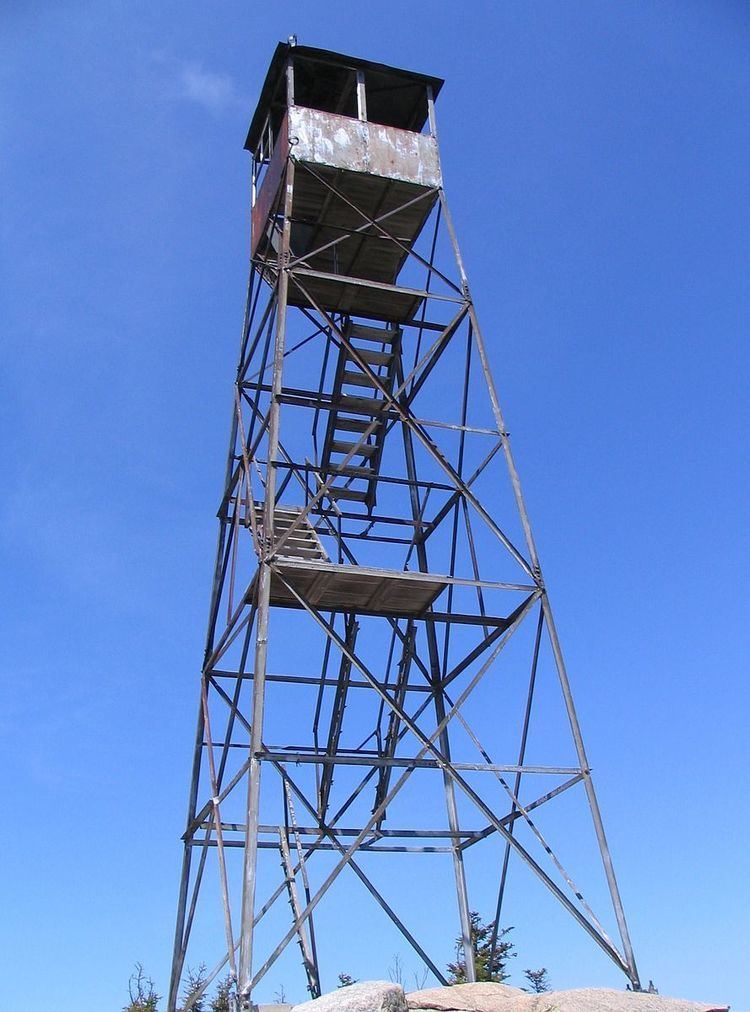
{"points": [[270, 186], [345, 143]]}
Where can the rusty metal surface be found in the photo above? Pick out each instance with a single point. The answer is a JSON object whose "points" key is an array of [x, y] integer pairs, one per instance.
{"points": [[270, 187], [321, 225], [345, 143]]}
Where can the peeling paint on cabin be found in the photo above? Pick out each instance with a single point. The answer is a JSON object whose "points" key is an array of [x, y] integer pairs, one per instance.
{"points": [[346, 143]]}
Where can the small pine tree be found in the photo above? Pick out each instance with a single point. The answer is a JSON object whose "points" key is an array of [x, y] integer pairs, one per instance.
{"points": [[143, 996], [194, 981], [221, 1001], [537, 979], [345, 979], [487, 965]]}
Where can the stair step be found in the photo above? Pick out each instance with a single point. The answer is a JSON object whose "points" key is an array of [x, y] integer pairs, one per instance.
{"points": [[361, 405], [372, 333], [349, 471], [285, 525], [372, 357], [366, 450], [295, 552], [359, 379], [347, 493], [292, 539], [298, 542], [353, 424]]}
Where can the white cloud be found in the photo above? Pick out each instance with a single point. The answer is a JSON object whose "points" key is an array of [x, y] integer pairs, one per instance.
{"points": [[190, 81], [214, 92]]}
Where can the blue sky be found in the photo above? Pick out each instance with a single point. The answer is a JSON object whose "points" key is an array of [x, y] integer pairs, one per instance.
{"points": [[595, 156]]}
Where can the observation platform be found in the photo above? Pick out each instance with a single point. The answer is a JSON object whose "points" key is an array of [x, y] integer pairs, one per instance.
{"points": [[302, 562], [357, 589], [353, 128]]}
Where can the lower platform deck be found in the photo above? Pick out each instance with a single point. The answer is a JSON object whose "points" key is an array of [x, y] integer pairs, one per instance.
{"points": [[362, 590], [356, 589]]}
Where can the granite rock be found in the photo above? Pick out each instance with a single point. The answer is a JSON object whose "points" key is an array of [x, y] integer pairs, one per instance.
{"points": [[488, 997], [483, 996], [366, 996]]}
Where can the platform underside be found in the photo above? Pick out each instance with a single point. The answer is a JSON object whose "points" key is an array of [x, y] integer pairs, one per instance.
{"points": [[353, 297], [320, 216], [361, 253], [355, 589]]}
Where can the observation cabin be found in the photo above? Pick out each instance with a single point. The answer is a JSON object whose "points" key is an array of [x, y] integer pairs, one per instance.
{"points": [[370, 130]]}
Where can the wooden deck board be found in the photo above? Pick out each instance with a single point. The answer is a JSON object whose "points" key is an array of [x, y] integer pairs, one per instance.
{"points": [[359, 589]]}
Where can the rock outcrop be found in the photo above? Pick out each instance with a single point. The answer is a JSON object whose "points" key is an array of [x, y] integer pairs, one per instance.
{"points": [[382, 996], [480, 997], [487, 997], [366, 996]]}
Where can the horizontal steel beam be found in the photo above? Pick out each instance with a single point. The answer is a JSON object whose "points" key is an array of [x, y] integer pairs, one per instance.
{"points": [[271, 755], [381, 286], [308, 680]]}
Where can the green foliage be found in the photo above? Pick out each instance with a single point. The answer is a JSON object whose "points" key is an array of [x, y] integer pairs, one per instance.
{"points": [[537, 980], [222, 1000], [488, 965], [194, 982], [143, 996]]}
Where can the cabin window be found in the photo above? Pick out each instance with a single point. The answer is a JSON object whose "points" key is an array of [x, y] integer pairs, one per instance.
{"points": [[395, 101], [325, 86]]}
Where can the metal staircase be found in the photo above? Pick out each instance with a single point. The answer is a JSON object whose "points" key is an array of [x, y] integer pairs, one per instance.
{"points": [[303, 542], [357, 403]]}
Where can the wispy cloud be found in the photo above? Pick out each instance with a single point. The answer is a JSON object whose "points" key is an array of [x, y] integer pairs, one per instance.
{"points": [[214, 92], [190, 81]]}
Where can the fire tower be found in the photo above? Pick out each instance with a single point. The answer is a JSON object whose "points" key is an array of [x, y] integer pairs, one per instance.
{"points": [[382, 679]]}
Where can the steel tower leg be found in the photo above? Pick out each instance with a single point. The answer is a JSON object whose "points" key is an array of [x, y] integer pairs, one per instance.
{"points": [[263, 608], [552, 632], [588, 784], [180, 942], [459, 871]]}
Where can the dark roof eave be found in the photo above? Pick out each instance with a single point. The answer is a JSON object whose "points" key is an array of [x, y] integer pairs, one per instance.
{"points": [[278, 63]]}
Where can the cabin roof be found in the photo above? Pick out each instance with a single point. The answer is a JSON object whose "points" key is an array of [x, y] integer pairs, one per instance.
{"points": [[411, 111]]}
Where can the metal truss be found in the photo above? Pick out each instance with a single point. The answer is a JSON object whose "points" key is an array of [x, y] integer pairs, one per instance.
{"points": [[340, 787]]}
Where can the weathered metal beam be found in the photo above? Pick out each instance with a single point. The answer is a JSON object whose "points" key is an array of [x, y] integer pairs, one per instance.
{"points": [[385, 762], [263, 606]]}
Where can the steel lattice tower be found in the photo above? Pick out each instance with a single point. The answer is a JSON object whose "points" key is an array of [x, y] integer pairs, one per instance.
{"points": [[380, 632]]}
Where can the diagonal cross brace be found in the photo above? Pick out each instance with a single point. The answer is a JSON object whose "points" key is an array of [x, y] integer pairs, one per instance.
{"points": [[428, 746]]}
